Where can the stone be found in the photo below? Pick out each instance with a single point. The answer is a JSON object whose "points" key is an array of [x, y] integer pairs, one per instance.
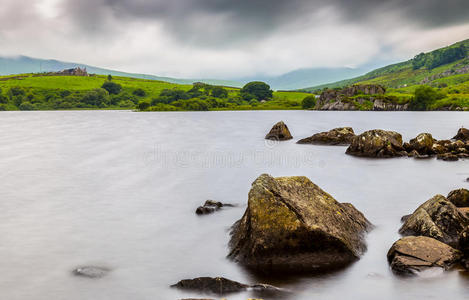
{"points": [[211, 206], [91, 271], [462, 135], [217, 285], [279, 132], [436, 218], [459, 197], [413, 254], [423, 143], [377, 143], [447, 157], [292, 225], [336, 136]]}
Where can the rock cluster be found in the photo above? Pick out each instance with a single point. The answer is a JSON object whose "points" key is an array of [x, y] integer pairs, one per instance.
{"points": [[292, 225], [336, 136], [380, 143], [437, 235], [279, 132]]}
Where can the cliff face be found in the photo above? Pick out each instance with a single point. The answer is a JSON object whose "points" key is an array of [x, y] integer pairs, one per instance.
{"points": [[356, 97]]}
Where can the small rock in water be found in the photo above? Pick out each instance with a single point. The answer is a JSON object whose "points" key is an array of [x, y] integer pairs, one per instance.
{"points": [[211, 206], [91, 272], [217, 285], [279, 132]]}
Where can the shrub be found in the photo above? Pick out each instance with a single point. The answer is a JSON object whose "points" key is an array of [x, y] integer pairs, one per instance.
{"points": [[219, 92], [112, 87], [308, 102], [424, 96], [26, 106], [139, 92], [256, 89], [143, 105]]}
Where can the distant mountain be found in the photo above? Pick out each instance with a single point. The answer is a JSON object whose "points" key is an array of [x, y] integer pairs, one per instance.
{"points": [[301, 78], [25, 64], [290, 81], [424, 68]]}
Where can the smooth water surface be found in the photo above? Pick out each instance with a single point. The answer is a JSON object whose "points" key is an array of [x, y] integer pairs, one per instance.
{"points": [[118, 189]]}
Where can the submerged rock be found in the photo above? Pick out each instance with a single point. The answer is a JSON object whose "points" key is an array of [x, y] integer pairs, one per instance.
{"points": [[413, 254], [91, 271], [437, 218], [423, 143], [292, 225], [279, 132], [222, 286], [217, 285], [377, 143], [462, 135], [211, 206], [336, 136], [459, 197]]}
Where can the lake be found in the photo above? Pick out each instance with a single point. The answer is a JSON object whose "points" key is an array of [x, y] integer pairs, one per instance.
{"points": [[119, 189]]}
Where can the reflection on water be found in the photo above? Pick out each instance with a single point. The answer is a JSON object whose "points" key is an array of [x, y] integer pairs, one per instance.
{"points": [[119, 189]]}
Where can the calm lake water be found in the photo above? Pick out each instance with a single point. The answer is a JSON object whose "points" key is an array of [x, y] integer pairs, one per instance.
{"points": [[118, 189]]}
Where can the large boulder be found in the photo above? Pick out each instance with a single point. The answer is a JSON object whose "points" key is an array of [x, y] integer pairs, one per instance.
{"points": [[413, 254], [377, 143], [279, 132], [336, 136], [423, 143], [462, 135], [292, 225], [459, 197], [437, 218]]}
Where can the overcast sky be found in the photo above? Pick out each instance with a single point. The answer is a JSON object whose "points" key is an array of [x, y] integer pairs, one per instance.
{"points": [[221, 38]]}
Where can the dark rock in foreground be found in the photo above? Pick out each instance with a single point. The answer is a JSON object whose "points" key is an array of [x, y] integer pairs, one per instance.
{"points": [[336, 136], [377, 143], [459, 197], [279, 132], [91, 271], [211, 206], [437, 218], [462, 135], [413, 254], [222, 286], [293, 225]]}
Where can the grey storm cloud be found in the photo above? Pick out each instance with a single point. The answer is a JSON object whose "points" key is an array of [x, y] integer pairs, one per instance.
{"points": [[205, 21]]}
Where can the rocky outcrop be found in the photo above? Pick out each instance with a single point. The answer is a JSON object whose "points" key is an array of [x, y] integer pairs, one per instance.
{"points": [[279, 132], [211, 206], [459, 198], [462, 135], [377, 143], [436, 218], [382, 105], [223, 286], [413, 254], [292, 225], [336, 136], [91, 271]]}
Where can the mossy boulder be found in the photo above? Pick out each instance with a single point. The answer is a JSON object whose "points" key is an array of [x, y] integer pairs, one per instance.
{"points": [[459, 197], [336, 136], [377, 143], [423, 143], [292, 225], [279, 132], [413, 254], [436, 218], [462, 135]]}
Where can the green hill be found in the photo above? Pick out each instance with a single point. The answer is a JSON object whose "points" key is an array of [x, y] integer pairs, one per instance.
{"points": [[424, 68], [49, 91]]}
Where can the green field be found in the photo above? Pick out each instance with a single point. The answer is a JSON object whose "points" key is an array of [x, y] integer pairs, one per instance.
{"points": [[45, 92]]}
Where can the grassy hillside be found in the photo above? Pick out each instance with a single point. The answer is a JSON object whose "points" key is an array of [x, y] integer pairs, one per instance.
{"points": [[41, 92], [413, 71]]}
